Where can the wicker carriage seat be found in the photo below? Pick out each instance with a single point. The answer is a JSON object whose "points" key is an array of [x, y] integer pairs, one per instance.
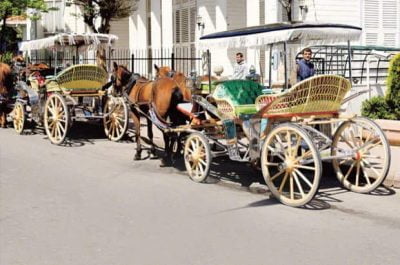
{"points": [[236, 97], [79, 79], [317, 96]]}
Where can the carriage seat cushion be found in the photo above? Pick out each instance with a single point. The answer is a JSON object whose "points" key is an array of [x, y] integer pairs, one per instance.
{"points": [[241, 94], [80, 77]]}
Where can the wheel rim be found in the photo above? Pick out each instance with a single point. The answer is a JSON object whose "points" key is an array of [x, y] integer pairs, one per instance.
{"points": [[368, 160], [115, 124], [56, 119], [197, 158], [291, 165], [19, 118]]}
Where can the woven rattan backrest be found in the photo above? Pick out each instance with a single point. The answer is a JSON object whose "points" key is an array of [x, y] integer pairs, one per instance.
{"points": [[323, 93], [82, 77]]}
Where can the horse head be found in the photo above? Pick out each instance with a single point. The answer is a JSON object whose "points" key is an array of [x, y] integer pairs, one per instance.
{"points": [[120, 76], [164, 71], [184, 84]]}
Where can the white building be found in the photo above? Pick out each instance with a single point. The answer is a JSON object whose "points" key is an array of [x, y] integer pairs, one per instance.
{"points": [[180, 23]]}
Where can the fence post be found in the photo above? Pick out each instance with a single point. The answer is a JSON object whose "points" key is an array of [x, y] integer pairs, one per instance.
{"points": [[133, 62], [73, 60], [173, 61]]}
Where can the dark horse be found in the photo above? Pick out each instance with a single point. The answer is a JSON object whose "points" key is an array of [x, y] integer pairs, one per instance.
{"points": [[160, 97], [6, 86]]}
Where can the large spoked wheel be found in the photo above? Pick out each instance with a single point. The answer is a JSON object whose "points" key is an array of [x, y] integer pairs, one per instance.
{"points": [[19, 117], [56, 118], [115, 119], [364, 155], [197, 155], [291, 165]]}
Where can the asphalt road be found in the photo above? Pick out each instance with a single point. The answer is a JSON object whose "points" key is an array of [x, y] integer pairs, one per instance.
{"points": [[89, 203]]}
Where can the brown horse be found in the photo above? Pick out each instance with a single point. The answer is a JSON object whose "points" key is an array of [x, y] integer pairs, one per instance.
{"points": [[161, 96], [6, 85]]}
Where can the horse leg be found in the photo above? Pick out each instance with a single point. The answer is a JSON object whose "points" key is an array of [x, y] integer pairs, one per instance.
{"points": [[3, 121], [150, 135], [136, 121], [166, 160]]}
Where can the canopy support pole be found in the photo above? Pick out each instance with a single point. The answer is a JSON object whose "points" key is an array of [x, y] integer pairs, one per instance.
{"points": [[285, 64], [349, 56], [270, 67]]}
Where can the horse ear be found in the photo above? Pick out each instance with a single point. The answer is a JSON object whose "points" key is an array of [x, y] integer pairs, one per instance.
{"points": [[157, 68], [115, 66]]}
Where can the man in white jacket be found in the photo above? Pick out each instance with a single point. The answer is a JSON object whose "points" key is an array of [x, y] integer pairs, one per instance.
{"points": [[240, 70]]}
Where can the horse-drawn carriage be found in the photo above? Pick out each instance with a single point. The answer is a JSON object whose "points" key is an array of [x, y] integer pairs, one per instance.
{"points": [[55, 100], [288, 133]]}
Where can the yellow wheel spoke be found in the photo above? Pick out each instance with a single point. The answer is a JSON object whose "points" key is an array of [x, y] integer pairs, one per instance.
{"points": [[349, 171], [365, 173], [283, 182], [304, 178], [277, 175], [298, 184]]}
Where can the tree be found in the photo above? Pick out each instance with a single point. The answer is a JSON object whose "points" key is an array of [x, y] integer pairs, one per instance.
{"points": [[10, 8], [106, 11], [287, 5]]}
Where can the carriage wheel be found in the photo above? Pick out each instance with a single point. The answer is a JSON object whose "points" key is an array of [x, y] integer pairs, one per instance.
{"points": [[291, 165], [56, 118], [197, 156], [19, 117], [116, 122], [368, 163]]}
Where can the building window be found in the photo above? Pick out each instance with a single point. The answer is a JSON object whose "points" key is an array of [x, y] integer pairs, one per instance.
{"points": [[381, 23], [185, 13]]}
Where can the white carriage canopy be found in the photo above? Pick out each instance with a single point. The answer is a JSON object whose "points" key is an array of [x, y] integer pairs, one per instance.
{"points": [[59, 41], [257, 36]]}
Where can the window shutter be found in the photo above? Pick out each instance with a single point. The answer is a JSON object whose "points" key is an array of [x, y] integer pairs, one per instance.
{"points": [[177, 26], [381, 23], [192, 19], [389, 13], [185, 24], [371, 14]]}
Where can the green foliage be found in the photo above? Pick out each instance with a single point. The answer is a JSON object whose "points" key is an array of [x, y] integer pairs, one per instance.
{"points": [[393, 81], [106, 11], [6, 57], [377, 108], [386, 107], [10, 8]]}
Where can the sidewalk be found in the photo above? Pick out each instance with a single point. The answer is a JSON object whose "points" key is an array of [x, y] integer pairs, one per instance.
{"points": [[393, 178]]}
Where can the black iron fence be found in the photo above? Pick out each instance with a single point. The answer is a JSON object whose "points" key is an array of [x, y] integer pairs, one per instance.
{"points": [[182, 59]]}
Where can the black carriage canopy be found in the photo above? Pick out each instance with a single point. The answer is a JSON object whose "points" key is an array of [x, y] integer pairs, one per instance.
{"points": [[311, 33]]}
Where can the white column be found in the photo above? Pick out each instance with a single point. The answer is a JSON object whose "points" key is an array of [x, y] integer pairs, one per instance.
{"points": [[253, 19], [221, 10], [167, 32], [272, 14], [139, 37], [156, 24]]}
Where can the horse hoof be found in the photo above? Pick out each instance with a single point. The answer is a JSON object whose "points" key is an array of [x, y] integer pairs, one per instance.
{"points": [[166, 162], [136, 158]]}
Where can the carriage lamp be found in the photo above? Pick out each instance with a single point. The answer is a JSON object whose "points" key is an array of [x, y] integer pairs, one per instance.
{"points": [[199, 22]]}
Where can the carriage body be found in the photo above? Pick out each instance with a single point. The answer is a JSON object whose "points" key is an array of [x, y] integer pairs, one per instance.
{"points": [[55, 100], [290, 133]]}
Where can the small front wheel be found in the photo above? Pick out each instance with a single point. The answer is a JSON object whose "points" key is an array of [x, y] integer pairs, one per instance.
{"points": [[197, 155], [19, 117], [291, 165], [56, 118]]}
